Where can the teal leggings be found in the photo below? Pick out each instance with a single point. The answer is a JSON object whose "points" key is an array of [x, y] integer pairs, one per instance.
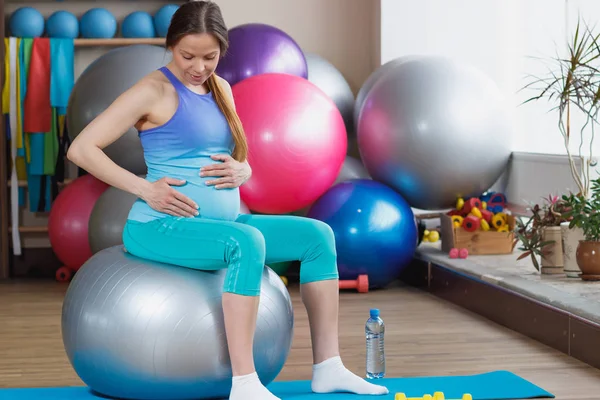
{"points": [[243, 246]]}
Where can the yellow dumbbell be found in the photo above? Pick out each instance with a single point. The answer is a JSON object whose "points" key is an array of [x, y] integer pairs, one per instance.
{"points": [[499, 220], [457, 221], [484, 225], [431, 236], [436, 396], [476, 212]]}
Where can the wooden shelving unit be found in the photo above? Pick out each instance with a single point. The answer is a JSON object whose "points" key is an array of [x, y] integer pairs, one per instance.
{"points": [[117, 42], [5, 228]]}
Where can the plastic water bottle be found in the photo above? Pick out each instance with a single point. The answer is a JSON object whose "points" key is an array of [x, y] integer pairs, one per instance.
{"points": [[374, 331]]}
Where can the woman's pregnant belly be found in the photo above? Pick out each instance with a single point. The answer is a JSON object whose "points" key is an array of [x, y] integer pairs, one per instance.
{"points": [[219, 204]]}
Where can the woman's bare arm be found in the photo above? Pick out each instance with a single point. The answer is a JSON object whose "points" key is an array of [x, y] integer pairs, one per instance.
{"points": [[86, 151]]}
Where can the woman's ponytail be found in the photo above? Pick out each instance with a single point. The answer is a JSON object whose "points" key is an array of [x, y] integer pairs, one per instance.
{"points": [[240, 151]]}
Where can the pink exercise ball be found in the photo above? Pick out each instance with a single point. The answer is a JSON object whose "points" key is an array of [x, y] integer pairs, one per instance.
{"points": [[69, 217], [296, 138]]}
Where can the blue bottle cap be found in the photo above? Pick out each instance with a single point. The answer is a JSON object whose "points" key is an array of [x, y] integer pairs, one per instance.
{"points": [[374, 312]]}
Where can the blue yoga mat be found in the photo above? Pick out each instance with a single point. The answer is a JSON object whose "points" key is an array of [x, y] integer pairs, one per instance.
{"points": [[497, 385]]}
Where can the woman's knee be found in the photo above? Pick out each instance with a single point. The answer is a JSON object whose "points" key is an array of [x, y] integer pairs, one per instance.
{"points": [[320, 262], [245, 256], [323, 237], [248, 242], [325, 232]]}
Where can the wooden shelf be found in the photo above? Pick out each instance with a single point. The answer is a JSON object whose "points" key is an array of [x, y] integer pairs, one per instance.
{"points": [[30, 229], [117, 42]]}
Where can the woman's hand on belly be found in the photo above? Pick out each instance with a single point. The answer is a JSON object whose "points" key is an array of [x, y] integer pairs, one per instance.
{"points": [[163, 198], [230, 172]]}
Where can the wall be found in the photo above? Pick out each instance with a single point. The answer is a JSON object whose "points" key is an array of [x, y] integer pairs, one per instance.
{"points": [[340, 30], [503, 39], [343, 31]]}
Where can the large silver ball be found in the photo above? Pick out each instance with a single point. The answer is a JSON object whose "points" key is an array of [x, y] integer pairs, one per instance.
{"points": [[101, 83], [434, 129], [108, 218], [368, 85], [351, 169], [134, 328], [330, 80]]}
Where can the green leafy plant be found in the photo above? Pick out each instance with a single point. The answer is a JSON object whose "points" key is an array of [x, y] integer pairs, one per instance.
{"points": [[584, 212], [530, 232], [573, 83]]}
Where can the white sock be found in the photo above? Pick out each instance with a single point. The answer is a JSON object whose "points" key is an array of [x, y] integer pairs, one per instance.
{"points": [[249, 387], [332, 376]]}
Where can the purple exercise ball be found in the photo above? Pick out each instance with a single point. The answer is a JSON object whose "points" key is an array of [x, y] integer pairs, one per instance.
{"points": [[258, 49]]}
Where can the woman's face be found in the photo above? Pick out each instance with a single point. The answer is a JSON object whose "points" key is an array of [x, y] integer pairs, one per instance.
{"points": [[196, 56]]}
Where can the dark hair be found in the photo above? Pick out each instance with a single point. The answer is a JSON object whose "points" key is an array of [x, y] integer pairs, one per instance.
{"points": [[204, 16]]}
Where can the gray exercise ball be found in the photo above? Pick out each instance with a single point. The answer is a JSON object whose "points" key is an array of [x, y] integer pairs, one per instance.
{"points": [[330, 80], [352, 168], [371, 80], [434, 129], [108, 218], [137, 329], [101, 83]]}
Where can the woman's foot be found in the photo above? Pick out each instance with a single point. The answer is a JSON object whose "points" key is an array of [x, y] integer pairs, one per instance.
{"points": [[332, 376], [249, 387]]}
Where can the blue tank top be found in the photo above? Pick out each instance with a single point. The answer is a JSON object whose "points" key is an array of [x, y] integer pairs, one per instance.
{"points": [[184, 144]]}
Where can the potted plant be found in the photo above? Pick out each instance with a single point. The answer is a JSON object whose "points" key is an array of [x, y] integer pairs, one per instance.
{"points": [[584, 213], [540, 235], [573, 89], [573, 85]]}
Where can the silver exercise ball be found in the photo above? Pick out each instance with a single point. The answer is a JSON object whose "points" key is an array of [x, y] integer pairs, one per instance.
{"points": [[101, 83], [351, 169], [434, 129], [108, 218], [134, 328], [368, 85], [330, 80]]}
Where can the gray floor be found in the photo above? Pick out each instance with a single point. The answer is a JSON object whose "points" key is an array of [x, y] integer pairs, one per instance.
{"points": [[574, 295]]}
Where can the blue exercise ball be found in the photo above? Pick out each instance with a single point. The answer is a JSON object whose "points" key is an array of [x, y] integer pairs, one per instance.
{"points": [[26, 22], [375, 229], [162, 19], [138, 24], [98, 23], [62, 24]]}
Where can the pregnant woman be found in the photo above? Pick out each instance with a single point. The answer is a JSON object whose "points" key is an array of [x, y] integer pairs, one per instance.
{"points": [[187, 211]]}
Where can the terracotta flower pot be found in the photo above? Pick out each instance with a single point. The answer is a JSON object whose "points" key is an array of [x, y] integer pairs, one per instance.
{"points": [[588, 260]]}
